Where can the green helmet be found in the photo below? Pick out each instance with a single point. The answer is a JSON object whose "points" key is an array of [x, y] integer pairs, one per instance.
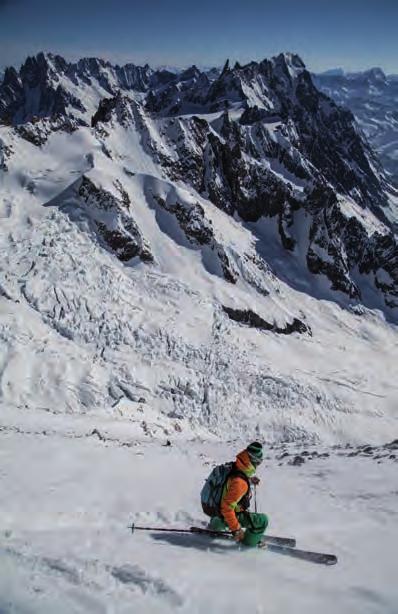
{"points": [[255, 452]]}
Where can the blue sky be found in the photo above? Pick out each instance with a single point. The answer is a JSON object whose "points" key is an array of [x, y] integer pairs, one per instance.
{"points": [[353, 34]]}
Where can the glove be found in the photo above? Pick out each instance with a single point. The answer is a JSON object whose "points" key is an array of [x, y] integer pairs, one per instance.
{"points": [[238, 535], [255, 480]]}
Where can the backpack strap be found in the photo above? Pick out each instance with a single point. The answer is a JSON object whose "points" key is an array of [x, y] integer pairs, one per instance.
{"points": [[235, 472]]}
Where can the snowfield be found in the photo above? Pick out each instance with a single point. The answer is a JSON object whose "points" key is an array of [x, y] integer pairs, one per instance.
{"points": [[68, 496]]}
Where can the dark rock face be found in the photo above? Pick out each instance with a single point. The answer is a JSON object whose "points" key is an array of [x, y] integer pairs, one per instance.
{"points": [[103, 113], [331, 237], [230, 171], [199, 231], [41, 88], [38, 131], [6, 152], [381, 258], [192, 221], [253, 320], [119, 106], [127, 243], [36, 92], [248, 317], [346, 245], [118, 230]]}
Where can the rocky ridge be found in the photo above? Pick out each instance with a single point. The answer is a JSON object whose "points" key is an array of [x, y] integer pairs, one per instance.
{"points": [[260, 142]]}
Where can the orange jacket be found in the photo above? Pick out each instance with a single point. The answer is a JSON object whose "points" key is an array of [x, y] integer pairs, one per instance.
{"points": [[236, 488]]}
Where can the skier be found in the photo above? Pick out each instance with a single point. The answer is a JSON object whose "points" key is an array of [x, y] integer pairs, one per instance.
{"points": [[226, 497]]}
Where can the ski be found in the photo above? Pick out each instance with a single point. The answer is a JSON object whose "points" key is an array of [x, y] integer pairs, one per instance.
{"points": [[268, 539], [306, 555], [273, 543]]}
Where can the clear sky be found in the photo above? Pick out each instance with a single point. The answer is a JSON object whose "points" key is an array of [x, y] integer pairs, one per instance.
{"points": [[354, 34]]}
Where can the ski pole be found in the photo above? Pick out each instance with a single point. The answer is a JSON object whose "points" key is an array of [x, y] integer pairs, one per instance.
{"points": [[255, 498], [133, 528]]}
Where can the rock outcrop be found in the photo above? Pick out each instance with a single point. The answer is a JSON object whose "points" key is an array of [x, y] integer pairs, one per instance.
{"points": [[112, 221]]}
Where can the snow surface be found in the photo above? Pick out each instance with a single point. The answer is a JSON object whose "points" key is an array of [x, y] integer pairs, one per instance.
{"points": [[68, 497]]}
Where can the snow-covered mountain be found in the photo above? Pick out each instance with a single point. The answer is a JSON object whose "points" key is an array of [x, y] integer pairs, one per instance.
{"points": [[201, 251], [192, 258], [372, 96]]}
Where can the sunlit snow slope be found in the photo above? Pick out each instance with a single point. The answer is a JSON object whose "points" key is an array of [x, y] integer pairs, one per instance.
{"points": [[65, 546]]}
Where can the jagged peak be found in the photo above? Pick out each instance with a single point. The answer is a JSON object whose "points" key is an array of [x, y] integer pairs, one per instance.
{"points": [[164, 76], [10, 77], [131, 66], [288, 62], [226, 68], [41, 67], [45, 59], [212, 73], [92, 63], [191, 72]]}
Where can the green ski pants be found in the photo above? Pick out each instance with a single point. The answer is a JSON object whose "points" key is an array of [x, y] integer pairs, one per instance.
{"points": [[255, 525]]}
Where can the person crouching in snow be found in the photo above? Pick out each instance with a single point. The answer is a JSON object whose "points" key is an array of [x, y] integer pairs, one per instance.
{"points": [[226, 495]]}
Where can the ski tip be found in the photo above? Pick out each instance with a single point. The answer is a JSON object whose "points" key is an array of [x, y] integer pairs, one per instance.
{"points": [[305, 555]]}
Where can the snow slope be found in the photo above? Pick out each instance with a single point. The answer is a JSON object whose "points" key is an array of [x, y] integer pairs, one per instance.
{"points": [[65, 545]]}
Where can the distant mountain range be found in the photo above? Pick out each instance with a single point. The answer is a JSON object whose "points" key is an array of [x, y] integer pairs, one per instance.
{"points": [[372, 96]]}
